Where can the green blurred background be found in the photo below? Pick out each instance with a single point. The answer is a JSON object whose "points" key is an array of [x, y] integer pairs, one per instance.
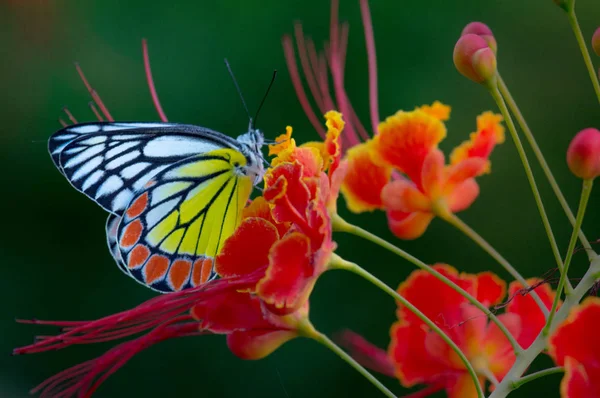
{"points": [[55, 264]]}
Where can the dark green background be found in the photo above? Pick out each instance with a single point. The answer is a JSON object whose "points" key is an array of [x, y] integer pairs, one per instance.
{"points": [[55, 264]]}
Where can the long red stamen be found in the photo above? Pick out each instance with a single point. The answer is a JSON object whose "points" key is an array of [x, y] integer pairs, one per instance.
{"points": [[95, 110], [153, 93], [372, 60], [343, 46], [94, 94], [366, 353], [308, 72], [290, 59], [324, 83], [70, 115], [62, 122]]}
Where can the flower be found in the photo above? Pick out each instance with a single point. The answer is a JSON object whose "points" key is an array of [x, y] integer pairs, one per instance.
{"points": [[423, 185], [596, 41], [583, 155], [474, 58], [417, 355], [377, 168], [575, 346], [267, 267]]}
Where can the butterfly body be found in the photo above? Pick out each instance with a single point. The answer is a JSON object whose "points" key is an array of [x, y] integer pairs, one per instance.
{"points": [[175, 192]]}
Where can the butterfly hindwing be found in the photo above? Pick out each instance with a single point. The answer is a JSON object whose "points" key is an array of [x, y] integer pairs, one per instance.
{"points": [[174, 227], [110, 162]]}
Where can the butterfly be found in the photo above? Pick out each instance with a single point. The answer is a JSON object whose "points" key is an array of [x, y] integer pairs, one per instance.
{"points": [[175, 192]]}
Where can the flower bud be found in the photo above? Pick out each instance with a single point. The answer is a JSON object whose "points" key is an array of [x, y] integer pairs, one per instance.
{"points": [[482, 30], [583, 155], [596, 41], [474, 58]]}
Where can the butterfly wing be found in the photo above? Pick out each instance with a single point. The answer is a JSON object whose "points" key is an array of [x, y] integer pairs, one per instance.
{"points": [[110, 162], [173, 228]]}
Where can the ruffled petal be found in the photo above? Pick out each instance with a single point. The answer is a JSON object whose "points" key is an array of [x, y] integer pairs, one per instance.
{"points": [[490, 288], [490, 132], [406, 138]]}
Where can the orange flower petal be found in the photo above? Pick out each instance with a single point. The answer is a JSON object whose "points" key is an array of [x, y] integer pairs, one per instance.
{"points": [[437, 110], [247, 249], [458, 173], [490, 132], [283, 142], [364, 180], [408, 225], [260, 208], [523, 305], [290, 275], [402, 195], [498, 351], [463, 196], [405, 139], [286, 191], [463, 387]]}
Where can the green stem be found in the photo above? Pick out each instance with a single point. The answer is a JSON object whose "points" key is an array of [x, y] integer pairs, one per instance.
{"points": [[307, 330], [459, 224], [542, 161], [339, 263], [537, 375], [539, 344], [341, 225], [584, 50], [585, 195], [534, 189]]}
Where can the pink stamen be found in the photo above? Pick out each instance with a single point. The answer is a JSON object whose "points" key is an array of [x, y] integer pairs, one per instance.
{"points": [[324, 83], [372, 61], [69, 115], [159, 109], [308, 72], [366, 353], [94, 94], [95, 110], [343, 46], [62, 122], [290, 59]]}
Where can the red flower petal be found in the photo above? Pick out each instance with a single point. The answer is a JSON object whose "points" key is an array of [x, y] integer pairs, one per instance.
{"points": [[408, 225], [463, 387], [290, 275], [247, 249], [523, 305], [498, 351], [432, 174], [410, 357], [580, 381], [260, 208], [286, 190], [490, 288], [577, 337], [257, 344]]}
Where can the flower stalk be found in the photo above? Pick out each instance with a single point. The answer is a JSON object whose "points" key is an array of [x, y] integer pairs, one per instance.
{"points": [[585, 195]]}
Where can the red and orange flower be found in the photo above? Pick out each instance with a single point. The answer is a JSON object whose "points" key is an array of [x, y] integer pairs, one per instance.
{"points": [[402, 171], [417, 355], [268, 269]]}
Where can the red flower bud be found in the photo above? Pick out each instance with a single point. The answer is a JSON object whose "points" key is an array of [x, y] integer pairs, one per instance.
{"points": [[596, 41], [583, 155], [482, 30], [474, 58]]}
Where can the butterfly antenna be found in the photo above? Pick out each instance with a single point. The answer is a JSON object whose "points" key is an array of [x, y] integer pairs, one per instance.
{"points": [[237, 87], [252, 124]]}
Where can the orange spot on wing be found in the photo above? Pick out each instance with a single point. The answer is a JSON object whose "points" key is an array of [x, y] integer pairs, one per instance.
{"points": [[179, 273], [131, 234], [138, 256], [138, 206], [201, 272], [156, 268]]}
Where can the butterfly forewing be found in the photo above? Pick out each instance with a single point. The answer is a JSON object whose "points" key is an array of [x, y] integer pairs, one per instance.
{"points": [[111, 162], [173, 228]]}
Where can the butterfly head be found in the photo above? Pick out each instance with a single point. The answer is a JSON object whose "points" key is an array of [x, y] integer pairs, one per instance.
{"points": [[252, 143]]}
